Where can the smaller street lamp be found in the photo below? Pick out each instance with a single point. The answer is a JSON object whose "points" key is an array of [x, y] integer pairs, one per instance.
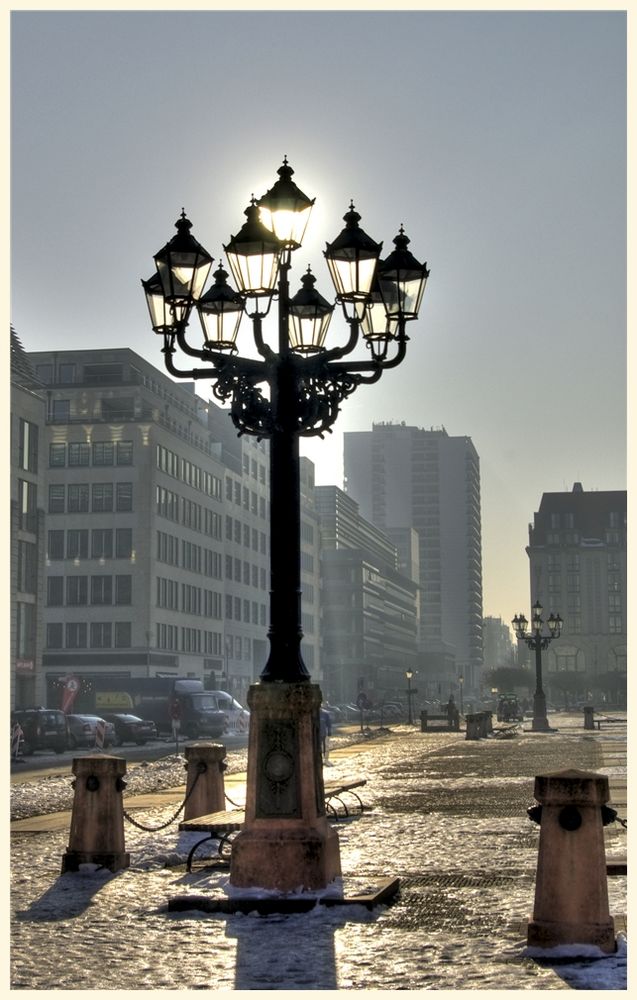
{"points": [[535, 639], [410, 693]]}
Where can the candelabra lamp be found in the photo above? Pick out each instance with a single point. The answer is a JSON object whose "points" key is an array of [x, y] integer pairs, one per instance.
{"points": [[280, 392]]}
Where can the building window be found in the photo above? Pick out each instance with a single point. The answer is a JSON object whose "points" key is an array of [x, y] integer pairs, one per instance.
{"points": [[103, 453], [60, 410], [574, 624], [76, 590], [123, 635], [615, 626], [612, 561], [124, 453], [573, 582], [54, 635], [123, 589], [55, 591], [27, 446], [554, 583], [57, 455], [77, 543], [101, 635], [614, 602], [25, 630], [614, 582], [102, 497], [66, 372], [57, 494], [124, 496], [102, 543], [123, 543], [79, 453], [55, 545], [75, 635], [77, 498], [101, 590]]}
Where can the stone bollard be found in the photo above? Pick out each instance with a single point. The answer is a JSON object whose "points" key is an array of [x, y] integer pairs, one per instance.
{"points": [[571, 891], [473, 726], [482, 724], [423, 721], [488, 722], [589, 712], [97, 820], [205, 765]]}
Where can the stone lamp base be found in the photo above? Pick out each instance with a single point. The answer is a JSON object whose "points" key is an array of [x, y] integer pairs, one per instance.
{"points": [[286, 843]]}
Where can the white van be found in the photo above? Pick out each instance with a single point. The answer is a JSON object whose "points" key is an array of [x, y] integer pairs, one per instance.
{"points": [[238, 716]]}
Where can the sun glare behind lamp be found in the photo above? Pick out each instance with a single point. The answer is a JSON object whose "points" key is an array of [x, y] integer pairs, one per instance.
{"points": [[254, 257], [352, 258], [183, 265], [309, 317], [285, 210], [402, 280], [220, 311]]}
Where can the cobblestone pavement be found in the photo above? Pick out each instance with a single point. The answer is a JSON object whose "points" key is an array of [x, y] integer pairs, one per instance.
{"points": [[448, 816]]}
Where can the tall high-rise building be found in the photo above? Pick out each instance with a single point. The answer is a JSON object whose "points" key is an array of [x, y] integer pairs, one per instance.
{"points": [[408, 477], [578, 566]]}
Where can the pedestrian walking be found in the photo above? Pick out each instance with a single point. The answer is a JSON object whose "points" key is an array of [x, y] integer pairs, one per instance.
{"points": [[325, 732]]}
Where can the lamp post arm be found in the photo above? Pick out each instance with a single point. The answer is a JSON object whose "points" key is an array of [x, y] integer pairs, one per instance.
{"points": [[340, 352], [255, 371]]}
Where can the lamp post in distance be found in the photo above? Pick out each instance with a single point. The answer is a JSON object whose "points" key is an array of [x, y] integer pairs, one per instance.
{"points": [[537, 640]]}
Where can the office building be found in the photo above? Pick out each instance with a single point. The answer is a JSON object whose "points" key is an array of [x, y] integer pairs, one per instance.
{"points": [[369, 607], [578, 568], [408, 477], [157, 527]]}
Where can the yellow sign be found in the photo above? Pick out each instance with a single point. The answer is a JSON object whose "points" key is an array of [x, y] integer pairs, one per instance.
{"points": [[113, 699]]}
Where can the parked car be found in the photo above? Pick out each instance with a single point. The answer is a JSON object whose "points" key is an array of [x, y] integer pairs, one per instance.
{"points": [[82, 731], [131, 729], [42, 729]]}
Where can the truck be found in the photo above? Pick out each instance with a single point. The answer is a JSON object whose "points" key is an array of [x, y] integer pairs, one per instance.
{"points": [[165, 701]]}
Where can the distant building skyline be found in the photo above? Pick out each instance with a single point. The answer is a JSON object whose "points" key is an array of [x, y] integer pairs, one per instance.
{"points": [[404, 476]]}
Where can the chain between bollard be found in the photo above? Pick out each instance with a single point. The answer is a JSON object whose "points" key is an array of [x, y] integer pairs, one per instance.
{"points": [[155, 829]]}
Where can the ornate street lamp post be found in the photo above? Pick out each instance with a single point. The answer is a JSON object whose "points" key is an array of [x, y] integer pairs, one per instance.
{"points": [[294, 390], [410, 693], [538, 641], [461, 683]]}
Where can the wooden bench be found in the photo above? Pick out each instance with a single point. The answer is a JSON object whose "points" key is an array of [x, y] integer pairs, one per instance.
{"points": [[222, 825], [336, 790], [439, 722]]}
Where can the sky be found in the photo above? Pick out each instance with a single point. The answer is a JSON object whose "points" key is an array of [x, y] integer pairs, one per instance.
{"points": [[498, 139]]}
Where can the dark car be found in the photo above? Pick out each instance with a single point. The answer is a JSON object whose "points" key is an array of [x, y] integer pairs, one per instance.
{"points": [[42, 729], [82, 730], [131, 729]]}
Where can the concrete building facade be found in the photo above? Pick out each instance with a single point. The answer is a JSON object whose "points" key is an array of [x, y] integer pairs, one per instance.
{"points": [[369, 607], [578, 568], [407, 477], [157, 528]]}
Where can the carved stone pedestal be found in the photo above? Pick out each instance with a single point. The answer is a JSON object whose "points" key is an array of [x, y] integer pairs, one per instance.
{"points": [[287, 842]]}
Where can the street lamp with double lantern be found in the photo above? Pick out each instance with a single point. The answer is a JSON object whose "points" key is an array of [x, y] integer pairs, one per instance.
{"points": [[281, 394]]}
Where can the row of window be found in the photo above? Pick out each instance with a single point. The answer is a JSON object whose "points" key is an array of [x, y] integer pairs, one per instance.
{"points": [[74, 497], [554, 562], [88, 635], [99, 453], [244, 497], [104, 543], [567, 520], [190, 599], [574, 538], [193, 640], [239, 609], [187, 472], [245, 572], [176, 552], [187, 512], [75, 590], [242, 533]]}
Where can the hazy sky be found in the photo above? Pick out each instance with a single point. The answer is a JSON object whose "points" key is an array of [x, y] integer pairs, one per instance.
{"points": [[498, 139]]}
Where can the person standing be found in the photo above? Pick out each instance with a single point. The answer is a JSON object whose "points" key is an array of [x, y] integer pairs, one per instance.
{"points": [[325, 733]]}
